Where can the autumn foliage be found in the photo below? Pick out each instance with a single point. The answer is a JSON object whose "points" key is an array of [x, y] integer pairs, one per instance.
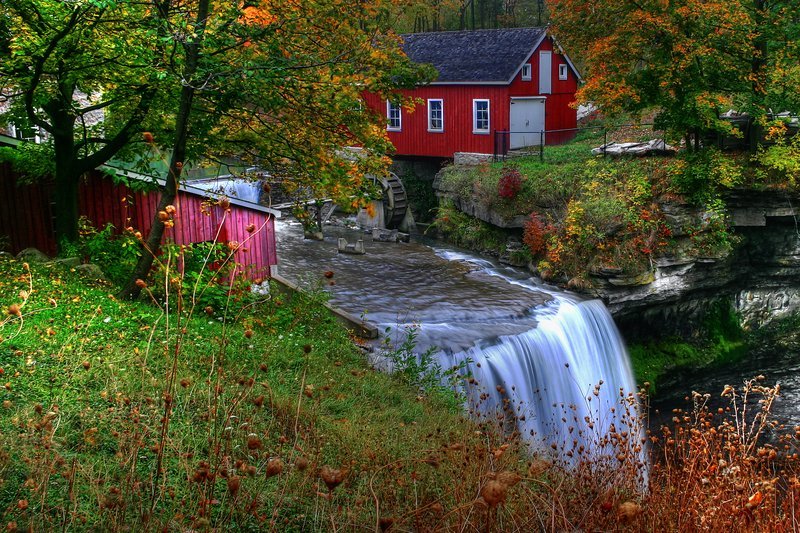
{"points": [[690, 60], [534, 235], [510, 183]]}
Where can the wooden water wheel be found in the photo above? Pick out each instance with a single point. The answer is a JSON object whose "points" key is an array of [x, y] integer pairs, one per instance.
{"points": [[395, 200]]}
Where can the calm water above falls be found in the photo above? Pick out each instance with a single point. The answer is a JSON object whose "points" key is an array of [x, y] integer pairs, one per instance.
{"points": [[540, 349]]}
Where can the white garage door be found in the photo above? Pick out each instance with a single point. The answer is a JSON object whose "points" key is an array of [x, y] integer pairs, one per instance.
{"points": [[527, 122]]}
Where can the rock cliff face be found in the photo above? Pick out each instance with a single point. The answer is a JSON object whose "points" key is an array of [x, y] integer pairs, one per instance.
{"points": [[760, 276]]}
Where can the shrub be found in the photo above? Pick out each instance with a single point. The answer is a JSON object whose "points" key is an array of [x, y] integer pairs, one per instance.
{"points": [[510, 183], [535, 235], [115, 254], [204, 275], [781, 160], [701, 175]]}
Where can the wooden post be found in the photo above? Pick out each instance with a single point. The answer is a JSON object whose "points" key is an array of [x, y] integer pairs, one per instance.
{"points": [[541, 145]]}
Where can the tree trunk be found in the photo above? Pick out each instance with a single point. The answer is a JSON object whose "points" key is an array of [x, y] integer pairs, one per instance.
{"points": [[65, 192], [152, 245], [757, 65]]}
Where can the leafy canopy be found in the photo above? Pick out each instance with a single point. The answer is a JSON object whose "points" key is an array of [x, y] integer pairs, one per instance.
{"points": [[691, 59]]}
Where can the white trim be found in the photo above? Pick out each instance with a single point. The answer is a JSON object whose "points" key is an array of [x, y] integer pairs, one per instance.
{"points": [[555, 45], [389, 126], [529, 76], [528, 97], [563, 71], [566, 58], [488, 128], [430, 118], [529, 56]]}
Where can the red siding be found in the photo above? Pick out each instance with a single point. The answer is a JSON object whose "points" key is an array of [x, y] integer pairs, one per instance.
{"points": [[559, 113], [26, 218], [414, 139], [25, 215]]}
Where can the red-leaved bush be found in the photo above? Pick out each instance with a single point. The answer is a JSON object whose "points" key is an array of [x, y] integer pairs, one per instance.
{"points": [[534, 235], [510, 183]]}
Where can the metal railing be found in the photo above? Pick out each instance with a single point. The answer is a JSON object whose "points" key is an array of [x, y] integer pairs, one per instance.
{"points": [[513, 143], [545, 139]]}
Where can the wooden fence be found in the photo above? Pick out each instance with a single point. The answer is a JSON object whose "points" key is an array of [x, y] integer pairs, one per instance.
{"points": [[26, 217]]}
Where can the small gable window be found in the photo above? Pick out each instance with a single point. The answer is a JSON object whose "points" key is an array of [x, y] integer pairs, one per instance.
{"points": [[393, 117], [562, 71], [526, 72], [480, 116], [435, 115]]}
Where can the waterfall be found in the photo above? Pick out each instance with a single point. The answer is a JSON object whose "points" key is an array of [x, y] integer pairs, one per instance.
{"points": [[248, 191], [566, 383]]}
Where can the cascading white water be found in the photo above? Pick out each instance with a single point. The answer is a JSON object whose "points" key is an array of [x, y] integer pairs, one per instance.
{"points": [[248, 191], [245, 190], [567, 382], [545, 349]]}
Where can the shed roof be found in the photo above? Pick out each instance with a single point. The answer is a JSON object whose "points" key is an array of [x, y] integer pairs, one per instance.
{"points": [[474, 55]]}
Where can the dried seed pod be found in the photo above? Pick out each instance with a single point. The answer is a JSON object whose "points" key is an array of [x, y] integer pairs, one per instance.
{"points": [[627, 511], [274, 467], [494, 493], [233, 484], [538, 467], [508, 478], [332, 477]]}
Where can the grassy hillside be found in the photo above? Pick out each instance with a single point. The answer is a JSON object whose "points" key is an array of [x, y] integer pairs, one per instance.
{"points": [[267, 415], [263, 415]]}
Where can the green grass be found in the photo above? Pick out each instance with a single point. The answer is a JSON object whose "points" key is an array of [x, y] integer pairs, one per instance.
{"points": [[87, 386]]}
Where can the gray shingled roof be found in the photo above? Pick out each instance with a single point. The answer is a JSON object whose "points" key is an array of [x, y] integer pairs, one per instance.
{"points": [[474, 55]]}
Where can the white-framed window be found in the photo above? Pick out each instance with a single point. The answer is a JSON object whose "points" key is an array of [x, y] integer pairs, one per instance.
{"points": [[526, 72], [562, 71], [35, 134], [394, 120], [435, 114], [480, 116]]}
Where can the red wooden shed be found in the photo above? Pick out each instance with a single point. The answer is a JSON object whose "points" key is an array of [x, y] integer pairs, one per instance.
{"points": [[497, 90], [26, 215]]}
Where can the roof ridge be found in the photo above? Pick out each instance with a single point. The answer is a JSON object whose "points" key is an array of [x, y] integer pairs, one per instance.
{"points": [[479, 30]]}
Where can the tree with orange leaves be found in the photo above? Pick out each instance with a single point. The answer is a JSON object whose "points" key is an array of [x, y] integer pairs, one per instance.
{"points": [[690, 60], [278, 84]]}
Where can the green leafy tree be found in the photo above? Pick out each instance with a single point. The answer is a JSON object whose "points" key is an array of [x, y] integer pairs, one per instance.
{"points": [[280, 85], [67, 65]]}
